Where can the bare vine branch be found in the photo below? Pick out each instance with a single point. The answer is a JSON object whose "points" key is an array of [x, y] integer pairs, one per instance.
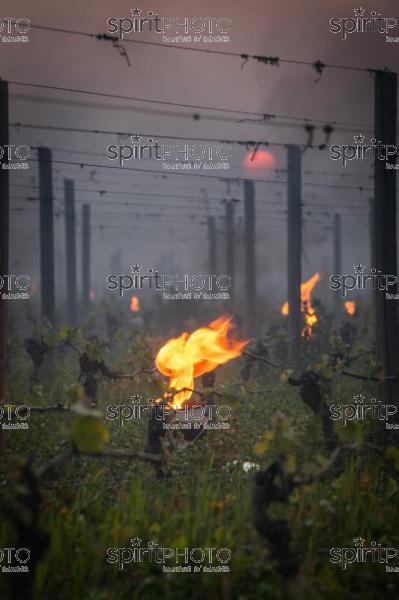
{"points": [[262, 358]]}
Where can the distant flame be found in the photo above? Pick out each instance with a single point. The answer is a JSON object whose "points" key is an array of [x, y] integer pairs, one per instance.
{"points": [[350, 307], [134, 304], [306, 304], [191, 355]]}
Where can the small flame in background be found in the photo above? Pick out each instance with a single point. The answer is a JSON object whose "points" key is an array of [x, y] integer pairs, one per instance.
{"points": [[188, 356], [350, 307], [306, 304], [134, 304]]}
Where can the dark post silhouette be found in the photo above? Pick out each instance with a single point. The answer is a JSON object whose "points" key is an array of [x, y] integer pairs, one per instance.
{"points": [[4, 239], [384, 223], [70, 250], [250, 281], [294, 233], [230, 250], [46, 235], [85, 259], [212, 245], [337, 262]]}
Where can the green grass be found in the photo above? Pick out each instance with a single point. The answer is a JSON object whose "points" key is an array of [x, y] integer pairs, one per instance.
{"points": [[90, 505]]}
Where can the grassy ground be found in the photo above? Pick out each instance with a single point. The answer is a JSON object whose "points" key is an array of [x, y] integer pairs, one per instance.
{"points": [[205, 499]]}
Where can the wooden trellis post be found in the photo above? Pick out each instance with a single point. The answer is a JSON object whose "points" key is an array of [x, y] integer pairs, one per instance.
{"points": [[294, 251], [250, 280], [70, 239], [46, 235], [230, 250], [384, 223], [337, 261], [85, 259], [4, 240], [212, 245]]}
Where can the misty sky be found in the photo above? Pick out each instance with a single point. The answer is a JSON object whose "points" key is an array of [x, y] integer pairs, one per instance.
{"points": [[176, 232]]}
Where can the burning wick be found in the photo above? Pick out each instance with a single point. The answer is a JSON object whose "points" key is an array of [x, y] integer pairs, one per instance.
{"points": [[134, 304], [350, 307], [306, 304], [188, 356]]}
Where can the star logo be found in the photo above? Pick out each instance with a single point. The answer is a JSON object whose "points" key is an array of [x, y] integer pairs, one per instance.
{"points": [[135, 541], [359, 398], [359, 268], [359, 541], [136, 268], [359, 139], [135, 11], [135, 398], [359, 12], [135, 138]]}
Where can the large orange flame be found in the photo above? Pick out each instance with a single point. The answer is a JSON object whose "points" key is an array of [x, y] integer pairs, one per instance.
{"points": [[189, 356], [350, 307], [306, 304], [134, 304]]}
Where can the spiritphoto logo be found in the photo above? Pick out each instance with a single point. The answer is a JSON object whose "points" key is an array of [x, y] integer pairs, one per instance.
{"points": [[360, 151], [202, 284], [361, 410], [359, 281], [14, 157], [363, 22], [14, 560], [201, 416], [14, 30], [14, 416], [172, 29], [173, 156], [360, 553], [15, 287], [173, 560]]}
